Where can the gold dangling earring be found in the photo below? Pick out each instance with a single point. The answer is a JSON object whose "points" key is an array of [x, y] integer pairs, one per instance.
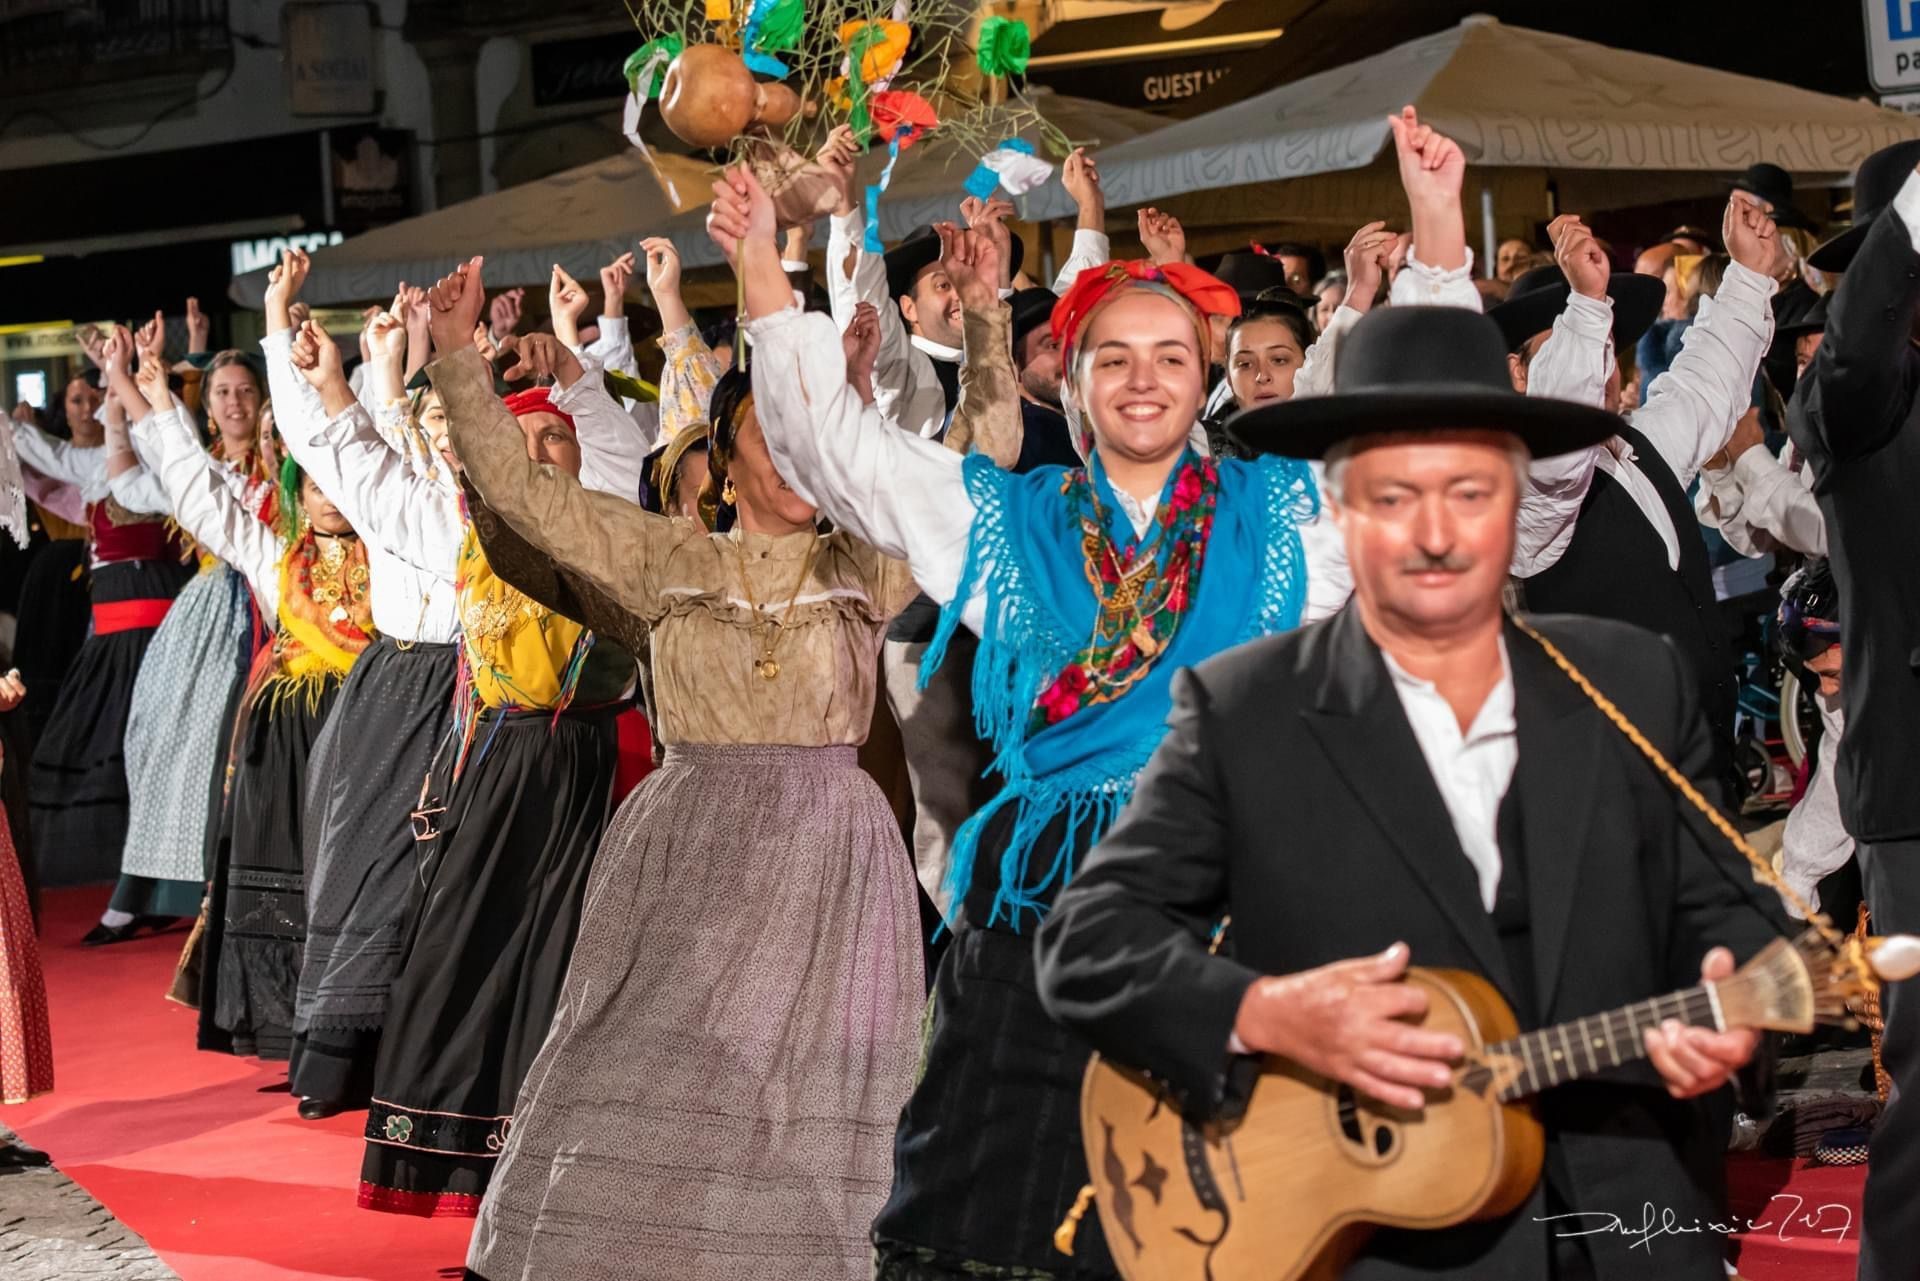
{"points": [[727, 493]]}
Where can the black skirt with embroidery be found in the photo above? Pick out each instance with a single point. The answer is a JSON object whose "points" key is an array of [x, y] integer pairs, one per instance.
{"points": [[504, 883]]}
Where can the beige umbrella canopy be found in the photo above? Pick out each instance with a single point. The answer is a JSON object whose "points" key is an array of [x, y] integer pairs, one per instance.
{"points": [[1610, 127], [583, 217]]}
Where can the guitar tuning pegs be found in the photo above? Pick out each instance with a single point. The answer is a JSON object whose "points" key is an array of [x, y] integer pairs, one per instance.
{"points": [[1894, 957]]}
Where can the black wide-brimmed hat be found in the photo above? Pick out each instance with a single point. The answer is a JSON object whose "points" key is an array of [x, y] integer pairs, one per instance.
{"points": [[1251, 273], [920, 250], [1405, 369], [1775, 186], [1031, 309], [1541, 294], [1878, 181], [1811, 321]]}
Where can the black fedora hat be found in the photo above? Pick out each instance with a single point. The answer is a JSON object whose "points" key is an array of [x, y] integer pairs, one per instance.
{"points": [[1541, 294], [1031, 309], [920, 250], [1811, 321], [1251, 273], [1418, 369], [1775, 186], [1877, 182]]}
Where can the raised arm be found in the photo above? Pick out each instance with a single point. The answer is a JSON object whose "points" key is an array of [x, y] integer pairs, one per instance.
{"points": [[1758, 503], [902, 494], [198, 494], [987, 418], [1862, 382], [610, 542], [405, 514], [82, 466], [613, 347], [613, 450], [1080, 175]]}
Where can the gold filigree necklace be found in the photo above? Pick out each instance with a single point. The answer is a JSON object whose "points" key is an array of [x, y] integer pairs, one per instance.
{"points": [[768, 632]]}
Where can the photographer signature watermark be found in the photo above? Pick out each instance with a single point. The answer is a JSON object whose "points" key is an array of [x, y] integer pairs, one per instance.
{"points": [[1787, 1221]]}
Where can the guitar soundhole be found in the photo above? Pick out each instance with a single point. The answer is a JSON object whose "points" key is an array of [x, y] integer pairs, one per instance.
{"points": [[1350, 1117], [1371, 1139]]}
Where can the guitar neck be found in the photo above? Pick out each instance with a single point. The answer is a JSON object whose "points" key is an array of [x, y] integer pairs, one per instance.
{"points": [[1569, 1051]]}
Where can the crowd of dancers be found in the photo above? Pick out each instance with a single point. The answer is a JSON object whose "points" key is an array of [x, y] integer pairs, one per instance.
{"points": [[504, 720]]}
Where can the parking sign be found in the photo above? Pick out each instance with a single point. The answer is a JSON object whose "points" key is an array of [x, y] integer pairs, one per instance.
{"points": [[1893, 44]]}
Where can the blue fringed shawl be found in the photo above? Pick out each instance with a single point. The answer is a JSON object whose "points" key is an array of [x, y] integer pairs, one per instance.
{"points": [[1040, 611]]}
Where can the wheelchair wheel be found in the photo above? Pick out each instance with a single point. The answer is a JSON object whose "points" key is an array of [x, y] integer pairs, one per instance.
{"points": [[1799, 719]]}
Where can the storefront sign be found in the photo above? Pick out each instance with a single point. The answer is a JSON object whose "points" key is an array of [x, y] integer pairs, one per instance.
{"points": [[329, 59], [251, 255], [371, 178]]}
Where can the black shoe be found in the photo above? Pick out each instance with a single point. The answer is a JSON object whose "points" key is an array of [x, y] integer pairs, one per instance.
{"points": [[318, 1109], [18, 1158], [103, 933]]}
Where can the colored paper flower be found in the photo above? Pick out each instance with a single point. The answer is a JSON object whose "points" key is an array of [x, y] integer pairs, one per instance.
{"points": [[896, 108], [657, 52], [880, 46], [1005, 45]]}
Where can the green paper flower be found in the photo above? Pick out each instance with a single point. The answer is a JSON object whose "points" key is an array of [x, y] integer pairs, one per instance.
{"points": [[1005, 45], [637, 62], [780, 29]]}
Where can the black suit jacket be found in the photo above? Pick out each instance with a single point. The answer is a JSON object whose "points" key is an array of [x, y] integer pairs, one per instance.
{"points": [[1855, 419], [1290, 791]]}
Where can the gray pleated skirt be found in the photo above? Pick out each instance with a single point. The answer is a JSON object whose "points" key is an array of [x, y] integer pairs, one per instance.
{"points": [[738, 1030]]}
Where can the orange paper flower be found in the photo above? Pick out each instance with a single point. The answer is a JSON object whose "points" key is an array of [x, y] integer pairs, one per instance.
{"points": [[885, 55]]}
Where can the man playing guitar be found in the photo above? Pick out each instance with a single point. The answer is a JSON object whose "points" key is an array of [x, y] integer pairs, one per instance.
{"points": [[1417, 779]]}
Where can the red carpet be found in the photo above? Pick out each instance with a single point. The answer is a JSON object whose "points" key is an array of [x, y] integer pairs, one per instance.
{"points": [[201, 1154], [1806, 1218]]}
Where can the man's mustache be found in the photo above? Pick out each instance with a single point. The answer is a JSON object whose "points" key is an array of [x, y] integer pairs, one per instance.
{"points": [[1445, 563]]}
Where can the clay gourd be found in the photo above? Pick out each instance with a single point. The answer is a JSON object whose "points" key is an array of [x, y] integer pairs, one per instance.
{"points": [[709, 98]]}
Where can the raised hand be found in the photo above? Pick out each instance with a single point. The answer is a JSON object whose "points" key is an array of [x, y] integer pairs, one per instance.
{"points": [[860, 340], [1366, 258], [613, 285], [152, 336], [663, 282], [484, 344], [93, 343], [152, 380], [567, 302], [503, 314], [1081, 177], [1432, 166], [989, 218], [838, 156], [12, 690], [544, 358], [199, 328], [386, 337], [741, 211], [453, 307], [1164, 239], [972, 262], [316, 356], [1348, 1021], [284, 283], [1580, 256], [1752, 239], [117, 351]]}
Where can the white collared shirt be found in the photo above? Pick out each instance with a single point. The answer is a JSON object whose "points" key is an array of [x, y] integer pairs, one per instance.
{"points": [[1687, 419], [1472, 770]]}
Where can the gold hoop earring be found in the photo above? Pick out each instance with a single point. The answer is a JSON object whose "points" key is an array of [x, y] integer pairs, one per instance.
{"points": [[728, 494]]}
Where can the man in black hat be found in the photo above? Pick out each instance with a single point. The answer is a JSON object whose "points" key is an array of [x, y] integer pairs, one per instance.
{"points": [[1470, 808], [1609, 530], [1046, 438], [916, 377], [1856, 417]]}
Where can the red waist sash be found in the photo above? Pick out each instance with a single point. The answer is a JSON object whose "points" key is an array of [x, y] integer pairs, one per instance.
{"points": [[128, 615]]}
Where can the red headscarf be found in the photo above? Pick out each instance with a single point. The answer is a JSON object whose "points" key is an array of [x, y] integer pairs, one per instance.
{"points": [[536, 400], [1205, 292]]}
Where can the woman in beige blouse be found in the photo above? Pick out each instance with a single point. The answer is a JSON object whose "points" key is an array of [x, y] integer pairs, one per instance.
{"points": [[739, 1025]]}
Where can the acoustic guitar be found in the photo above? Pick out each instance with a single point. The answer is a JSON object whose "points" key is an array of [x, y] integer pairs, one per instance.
{"points": [[1291, 1190]]}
